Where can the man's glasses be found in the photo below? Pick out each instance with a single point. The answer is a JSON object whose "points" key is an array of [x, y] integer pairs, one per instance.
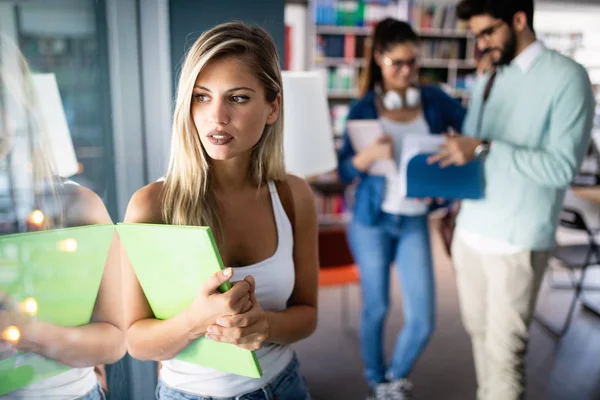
{"points": [[399, 64], [489, 31]]}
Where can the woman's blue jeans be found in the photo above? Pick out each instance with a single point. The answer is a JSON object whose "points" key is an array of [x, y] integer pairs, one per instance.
{"points": [[404, 241]]}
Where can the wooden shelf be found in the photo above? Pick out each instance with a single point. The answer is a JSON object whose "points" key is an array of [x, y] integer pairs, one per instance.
{"points": [[343, 30], [366, 31], [339, 94], [424, 63], [333, 220], [451, 63], [335, 61], [444, 33]]}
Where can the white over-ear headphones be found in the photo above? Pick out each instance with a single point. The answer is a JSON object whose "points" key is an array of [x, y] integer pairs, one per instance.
{"points": [[392, 100]]}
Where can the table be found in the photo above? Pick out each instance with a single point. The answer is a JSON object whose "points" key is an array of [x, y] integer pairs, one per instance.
{"points": [[592, 194]]}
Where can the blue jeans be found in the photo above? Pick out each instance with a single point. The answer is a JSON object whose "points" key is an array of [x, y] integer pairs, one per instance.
{"points": [[95, 394], [288, 385], [403, 240]]}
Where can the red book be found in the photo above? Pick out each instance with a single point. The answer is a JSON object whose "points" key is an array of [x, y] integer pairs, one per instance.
{"points": [[287, 48], [349, 47]]}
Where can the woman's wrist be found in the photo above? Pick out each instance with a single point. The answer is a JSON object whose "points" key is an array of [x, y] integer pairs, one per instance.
{"points": [[194, 328], [32, 337]]}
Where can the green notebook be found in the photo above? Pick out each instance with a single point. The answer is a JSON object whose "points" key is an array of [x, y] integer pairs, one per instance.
{"points": [[61, 269], [171, 263]]}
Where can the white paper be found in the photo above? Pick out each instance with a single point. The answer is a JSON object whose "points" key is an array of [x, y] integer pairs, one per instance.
{"points": [[412, 145], [61, 145], [362, 134]]}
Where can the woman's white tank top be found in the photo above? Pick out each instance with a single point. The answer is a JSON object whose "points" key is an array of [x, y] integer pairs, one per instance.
{"points": [[275, 279]]}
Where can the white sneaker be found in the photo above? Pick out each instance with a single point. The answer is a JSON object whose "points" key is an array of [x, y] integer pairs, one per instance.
{"points": [[401, 389], [379, 392]]}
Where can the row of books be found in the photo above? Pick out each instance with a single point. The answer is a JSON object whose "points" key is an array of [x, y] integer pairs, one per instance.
{"points": [[343, 78], [435, 16], [368, 13], [441, 49], [346, 46], [330, 205], [352, 13], [352, 47]]}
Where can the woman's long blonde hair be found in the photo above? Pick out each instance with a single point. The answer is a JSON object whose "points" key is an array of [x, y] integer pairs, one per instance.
{"points": [[19, 103], [188, 198]]}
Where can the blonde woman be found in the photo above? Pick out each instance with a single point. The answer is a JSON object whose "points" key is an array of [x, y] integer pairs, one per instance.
{"points": [[63, 204], [226, 171]]}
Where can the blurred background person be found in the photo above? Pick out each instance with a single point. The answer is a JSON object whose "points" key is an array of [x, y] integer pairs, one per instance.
{"points": [[387, 228]]}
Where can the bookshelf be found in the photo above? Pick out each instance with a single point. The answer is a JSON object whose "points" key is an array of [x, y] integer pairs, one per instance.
{"points": [[339, 37], [338, 41]]}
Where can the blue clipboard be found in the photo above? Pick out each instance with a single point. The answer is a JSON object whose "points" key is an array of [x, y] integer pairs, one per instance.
{"points": [[453, 182]]}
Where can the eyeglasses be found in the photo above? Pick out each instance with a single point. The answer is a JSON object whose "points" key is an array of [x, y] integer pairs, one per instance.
{"points": [[489, 31], [398, 64]]}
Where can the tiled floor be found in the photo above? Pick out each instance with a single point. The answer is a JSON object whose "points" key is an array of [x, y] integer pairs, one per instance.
{"points": [[568, 369]]}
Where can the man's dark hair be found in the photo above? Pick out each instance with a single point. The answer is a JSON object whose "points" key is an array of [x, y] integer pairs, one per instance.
{"points": [[502, 9]]}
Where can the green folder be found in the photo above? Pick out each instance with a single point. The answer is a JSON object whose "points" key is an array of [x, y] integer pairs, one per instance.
{"points": [[171, 263], [61, 269]]}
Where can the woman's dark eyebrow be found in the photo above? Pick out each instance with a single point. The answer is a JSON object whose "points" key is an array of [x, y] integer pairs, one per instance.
{"points": [[230, 90]]}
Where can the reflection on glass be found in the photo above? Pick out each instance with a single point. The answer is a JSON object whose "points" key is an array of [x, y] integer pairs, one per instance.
{"points": [[63, 37], [60, 289]]}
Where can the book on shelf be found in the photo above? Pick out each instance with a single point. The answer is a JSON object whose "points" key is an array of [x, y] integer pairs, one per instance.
{"points": [[342, 80], [332, 209], [367, 13], [349, 47], [353, 13], [339, 112], [440, 49], [352, 49], [435, 17]]}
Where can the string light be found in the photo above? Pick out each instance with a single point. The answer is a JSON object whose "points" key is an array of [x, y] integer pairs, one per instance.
{"points": [[30, 306], [36, 217], [11, 334]]}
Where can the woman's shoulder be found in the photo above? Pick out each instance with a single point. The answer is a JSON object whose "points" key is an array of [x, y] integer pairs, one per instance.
{"points": [[299, 186], [83, 206], [302, 194], [146, 204]]}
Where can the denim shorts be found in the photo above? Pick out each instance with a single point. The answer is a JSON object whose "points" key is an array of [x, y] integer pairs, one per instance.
{"points": [[95, 394], [288, 385]]}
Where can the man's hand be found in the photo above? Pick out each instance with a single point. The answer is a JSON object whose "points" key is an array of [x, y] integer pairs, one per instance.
{"points": [[458, 150]]}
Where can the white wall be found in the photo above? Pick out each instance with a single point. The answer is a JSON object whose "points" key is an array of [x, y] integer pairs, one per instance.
{"points": [[296, 16], [557, 17], [575, 18]]}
